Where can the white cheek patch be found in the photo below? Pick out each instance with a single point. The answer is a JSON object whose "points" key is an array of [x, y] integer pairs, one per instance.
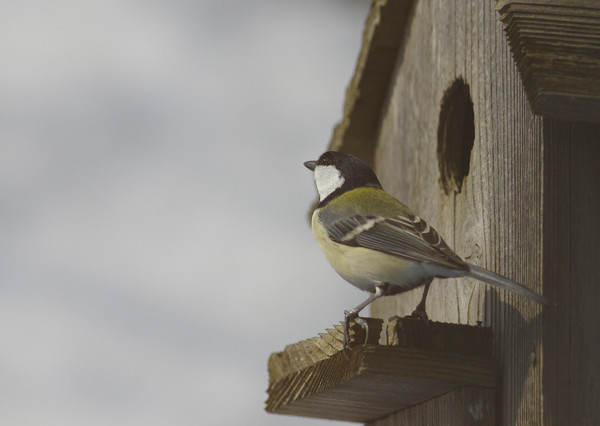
{"points": [[328, 179]]}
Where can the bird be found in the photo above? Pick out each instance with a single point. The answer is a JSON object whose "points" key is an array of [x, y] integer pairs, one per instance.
{"points": [[378, 244]]}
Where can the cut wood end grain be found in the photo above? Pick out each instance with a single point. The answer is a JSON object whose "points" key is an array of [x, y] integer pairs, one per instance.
{"points": [[556, 45], [298, 356], [420, 361]]}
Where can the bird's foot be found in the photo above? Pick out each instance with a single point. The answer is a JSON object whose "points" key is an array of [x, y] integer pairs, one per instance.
{"points": [[420, 313], [348, 316], [352, 316]]}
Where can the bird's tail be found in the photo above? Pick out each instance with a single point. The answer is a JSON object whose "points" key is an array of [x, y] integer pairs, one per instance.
{"points": [[501, 282]]}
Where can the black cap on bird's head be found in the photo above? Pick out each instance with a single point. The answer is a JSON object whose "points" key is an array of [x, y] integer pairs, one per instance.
{"points": [[338, 172]]}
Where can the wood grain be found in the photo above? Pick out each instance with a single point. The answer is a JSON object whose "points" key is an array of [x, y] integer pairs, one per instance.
{"points": [[382, 38], [584, 361], [421, 361], [571, 271], [465, 406], [556, 44], [306, 353], [495, 221]]}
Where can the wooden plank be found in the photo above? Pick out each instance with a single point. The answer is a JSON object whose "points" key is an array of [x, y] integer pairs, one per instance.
{"points": [[556, 44], [413, 333], [465, 406], [298, 356], [585, 272], [382, 38], [556, 241], [422, 361], [571, 250], [496, 219]]}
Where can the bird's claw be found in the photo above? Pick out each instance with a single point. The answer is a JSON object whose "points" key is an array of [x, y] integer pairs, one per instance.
{"points": [[349, 316], [420, 313]]}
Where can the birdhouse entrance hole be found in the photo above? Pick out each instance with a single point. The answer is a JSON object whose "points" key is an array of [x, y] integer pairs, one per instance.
{"points": [[456, 133]]}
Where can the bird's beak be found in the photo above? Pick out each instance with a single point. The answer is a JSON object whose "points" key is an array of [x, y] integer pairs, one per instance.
{"points": [[310, 165]]}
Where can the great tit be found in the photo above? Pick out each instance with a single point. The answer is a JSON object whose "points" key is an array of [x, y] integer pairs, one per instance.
{"points": [[377, 243]]}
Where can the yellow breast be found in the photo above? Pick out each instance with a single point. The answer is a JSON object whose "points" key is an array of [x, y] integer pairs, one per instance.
{"points": [[366, 268]]}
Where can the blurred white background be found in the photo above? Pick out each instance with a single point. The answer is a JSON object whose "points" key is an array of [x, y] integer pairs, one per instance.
{"points": [[154, 242]]}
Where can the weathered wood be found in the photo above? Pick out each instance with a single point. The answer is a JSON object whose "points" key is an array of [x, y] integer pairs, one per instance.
{"points": [[306, 353], [556, 44], [465, 406], [495, 220], [571, 271], [382, 38], [584, 295], [422, 362], [409, 332]]}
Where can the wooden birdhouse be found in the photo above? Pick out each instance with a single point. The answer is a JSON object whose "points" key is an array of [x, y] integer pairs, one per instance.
{"points": [[484, 118]]}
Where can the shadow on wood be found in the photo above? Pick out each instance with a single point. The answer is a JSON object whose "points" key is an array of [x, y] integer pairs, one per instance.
{"points": [[420, 361]]}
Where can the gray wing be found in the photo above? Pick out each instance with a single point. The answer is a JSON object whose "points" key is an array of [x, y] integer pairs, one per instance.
{"points": [[407, 237]]}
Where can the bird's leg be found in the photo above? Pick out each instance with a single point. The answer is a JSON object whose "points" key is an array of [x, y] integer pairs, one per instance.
{"points": [[420, 311], [353, 313], [365, 326]]}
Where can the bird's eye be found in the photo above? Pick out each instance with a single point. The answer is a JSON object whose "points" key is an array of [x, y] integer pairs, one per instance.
{"points": [[326, 161]]}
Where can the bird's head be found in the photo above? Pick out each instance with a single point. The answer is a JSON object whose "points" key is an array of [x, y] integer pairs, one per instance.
{"points": [[338, 172]]}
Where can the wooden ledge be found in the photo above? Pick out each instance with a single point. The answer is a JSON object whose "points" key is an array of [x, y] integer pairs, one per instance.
{"points": [[556, 45], [421, 361]]}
